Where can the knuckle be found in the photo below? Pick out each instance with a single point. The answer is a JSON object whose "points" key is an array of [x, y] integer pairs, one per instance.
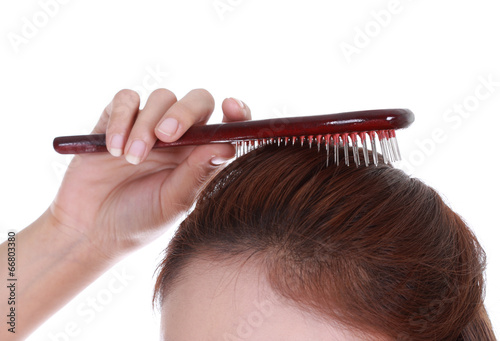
{"points": [[202, 175], [128, 97], [200, 172], [163, 94], [183, 113], [205, 95]]}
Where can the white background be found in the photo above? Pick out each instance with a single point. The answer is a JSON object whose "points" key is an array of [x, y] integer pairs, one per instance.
{"points": [[283, 58]]}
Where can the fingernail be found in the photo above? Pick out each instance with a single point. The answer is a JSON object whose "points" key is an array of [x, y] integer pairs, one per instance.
{"points": [[168, 126], [116, 145], [135, 152], [240, 103], [218, 160]]}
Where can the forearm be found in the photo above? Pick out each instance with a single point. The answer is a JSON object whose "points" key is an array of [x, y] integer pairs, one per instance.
{"points": [[51, 267]]}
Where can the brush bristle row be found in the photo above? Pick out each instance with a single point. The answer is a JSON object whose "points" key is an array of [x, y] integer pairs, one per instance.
{"points": [[334, 143]]}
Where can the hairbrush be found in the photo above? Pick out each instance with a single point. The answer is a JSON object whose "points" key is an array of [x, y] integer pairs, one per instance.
{"points": [[334, 131]]}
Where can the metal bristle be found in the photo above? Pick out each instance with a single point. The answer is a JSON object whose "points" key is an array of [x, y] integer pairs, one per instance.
{"points": [[327, 146], [374, 147], [394, 144], [333, 143], [383, 143], [365, 148], [336, 149], [345, 142], [390, 153], [392, 157], [355, 150]]}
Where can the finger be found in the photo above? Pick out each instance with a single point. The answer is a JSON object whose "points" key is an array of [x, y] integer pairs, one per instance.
{"points": [[100, 127], [184, 182], [117, 120], [235, 110], [142, 136], [194, 108]]}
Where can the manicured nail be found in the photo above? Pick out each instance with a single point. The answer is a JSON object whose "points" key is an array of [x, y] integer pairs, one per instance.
{"points": [[116, 145], [240, 103], [169, 126], [136, 151], [218, 160]]}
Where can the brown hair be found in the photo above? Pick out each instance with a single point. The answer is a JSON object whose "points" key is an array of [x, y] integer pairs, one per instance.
{"points": [[368, 247]]}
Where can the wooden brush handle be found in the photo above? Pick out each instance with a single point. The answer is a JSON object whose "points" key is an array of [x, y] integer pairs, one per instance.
{"points": [[349, 122]]}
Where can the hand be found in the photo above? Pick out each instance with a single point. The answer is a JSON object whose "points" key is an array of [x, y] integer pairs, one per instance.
{"points": [[120, 203]]}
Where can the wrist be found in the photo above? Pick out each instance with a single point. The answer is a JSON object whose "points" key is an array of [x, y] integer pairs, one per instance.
{"points": [[68, 234], [56, 261]]}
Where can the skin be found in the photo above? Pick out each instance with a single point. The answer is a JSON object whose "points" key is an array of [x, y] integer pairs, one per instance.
{"points": [[232, 301], [132, 200]]}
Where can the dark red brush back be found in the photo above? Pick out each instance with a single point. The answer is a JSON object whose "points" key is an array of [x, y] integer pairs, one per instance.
{"points": [[341, 123]]}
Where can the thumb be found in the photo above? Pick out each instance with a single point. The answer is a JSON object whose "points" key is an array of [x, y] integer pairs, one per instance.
{"points": [[183, 184]]}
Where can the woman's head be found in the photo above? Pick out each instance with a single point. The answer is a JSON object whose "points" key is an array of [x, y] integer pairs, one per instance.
{"points": [[364, 252]]}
